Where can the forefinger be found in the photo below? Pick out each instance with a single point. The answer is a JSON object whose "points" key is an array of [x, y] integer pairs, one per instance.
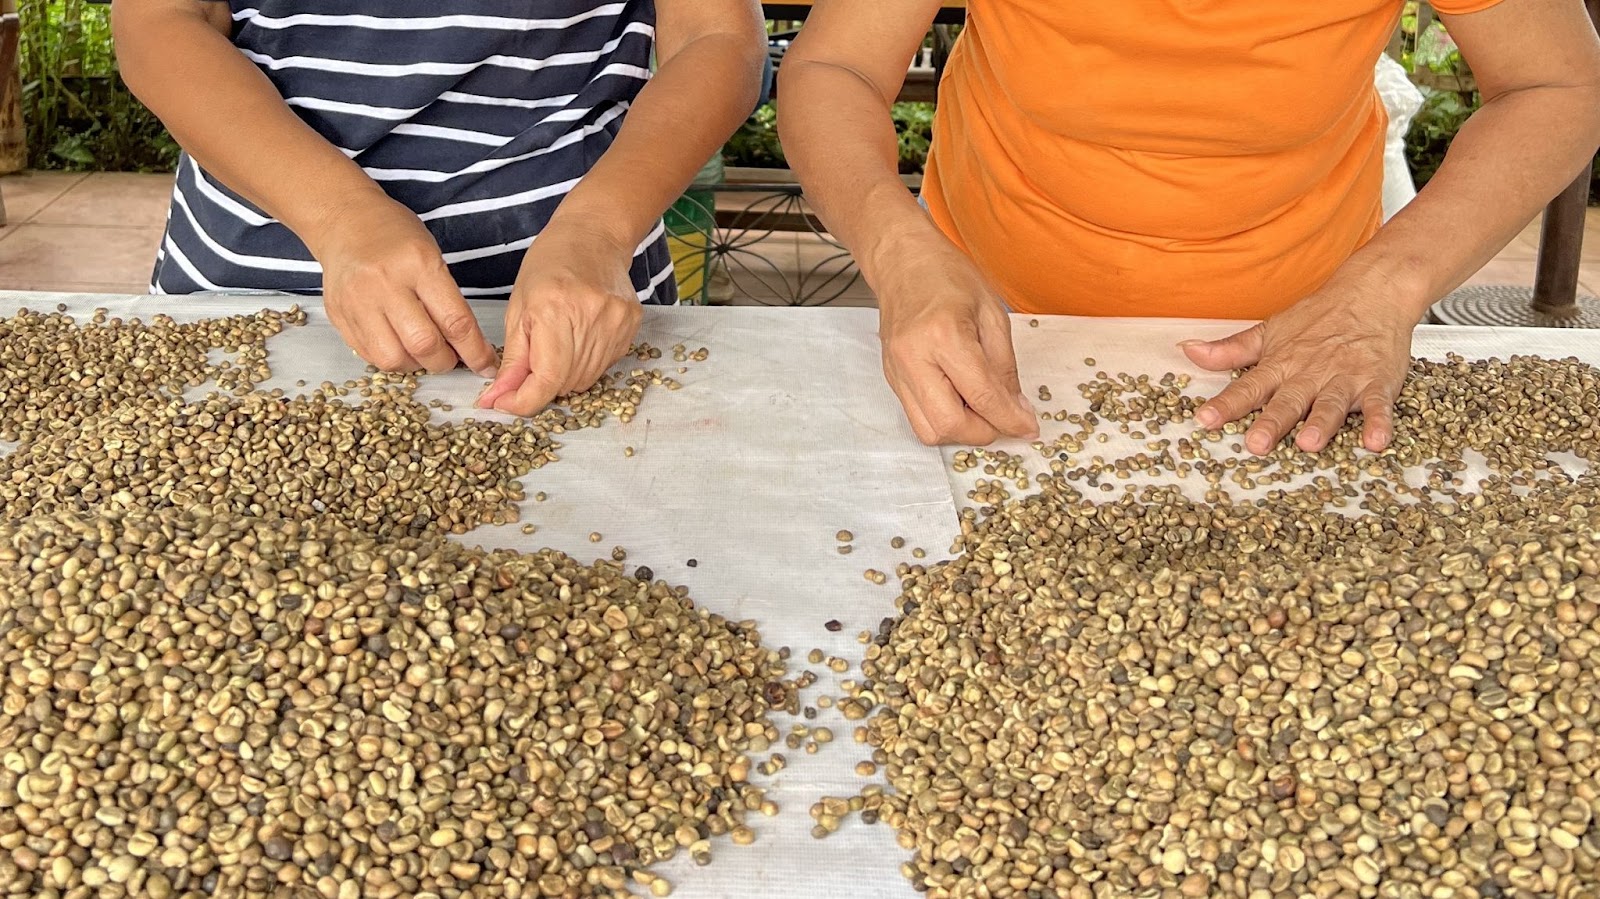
{"points": [[1245, 395], [456, 323], [420, 336]]}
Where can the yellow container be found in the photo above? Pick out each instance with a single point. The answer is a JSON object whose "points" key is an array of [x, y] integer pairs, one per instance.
{"points": [[690, 225]]}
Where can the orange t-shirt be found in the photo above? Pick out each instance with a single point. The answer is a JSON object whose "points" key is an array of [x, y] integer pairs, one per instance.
{"points": [[1190, 158]]}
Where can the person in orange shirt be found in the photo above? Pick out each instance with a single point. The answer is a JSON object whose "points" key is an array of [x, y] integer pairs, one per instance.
{"points": [[1190, 158]]}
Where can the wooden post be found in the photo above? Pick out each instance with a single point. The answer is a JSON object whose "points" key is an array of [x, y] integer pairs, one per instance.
{"points": [[13, 139], [1555, 280], [1555, 283]]}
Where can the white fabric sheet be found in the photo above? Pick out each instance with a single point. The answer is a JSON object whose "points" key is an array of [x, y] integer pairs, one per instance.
{"points": [[785, 435]]}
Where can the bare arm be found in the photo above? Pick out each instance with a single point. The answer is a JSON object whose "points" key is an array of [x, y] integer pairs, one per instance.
{"points": [[387, 287], [840, 79], [708, 75], [946, 337], [574, 311], [176, 57], [1537, 63], [1347, 347]]}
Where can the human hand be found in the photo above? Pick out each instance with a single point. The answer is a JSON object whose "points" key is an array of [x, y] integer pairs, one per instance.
{"points": [[1345, 348], [947, 350], [389, 293], [573, 313]]}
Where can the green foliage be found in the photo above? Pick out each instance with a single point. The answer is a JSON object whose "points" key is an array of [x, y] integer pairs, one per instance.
{"points": [[756, 145], [78, 113], [913, 122], [1435, 126], [80, 116], [1433, 49]]}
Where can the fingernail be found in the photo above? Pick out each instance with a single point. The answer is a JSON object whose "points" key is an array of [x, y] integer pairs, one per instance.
{"points": [[481, 394], [1193, 341], [1310, 437], [1259, 443], [1208, 418], [489, 372]]}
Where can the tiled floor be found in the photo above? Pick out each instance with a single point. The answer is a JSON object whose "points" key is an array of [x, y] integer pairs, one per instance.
{"points": [[98, 233], [92, 233]]}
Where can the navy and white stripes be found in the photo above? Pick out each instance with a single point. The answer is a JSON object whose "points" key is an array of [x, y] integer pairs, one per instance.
{"points": [[477, 120]]}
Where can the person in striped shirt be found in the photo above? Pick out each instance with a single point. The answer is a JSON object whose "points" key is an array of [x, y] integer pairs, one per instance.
{"points": [[398, 157]]}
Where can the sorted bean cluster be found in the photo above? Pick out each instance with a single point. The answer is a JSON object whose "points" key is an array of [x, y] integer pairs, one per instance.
{"points": [[242, 659], [380, 464], [1362, 686], [54, 371], [1446, 410]]}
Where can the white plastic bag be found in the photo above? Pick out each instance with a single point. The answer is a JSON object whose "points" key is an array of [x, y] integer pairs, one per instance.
{"points": [[1403, 100]]}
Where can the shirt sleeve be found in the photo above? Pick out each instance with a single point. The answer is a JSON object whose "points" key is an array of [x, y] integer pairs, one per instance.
{"points": [[1462, 7]]}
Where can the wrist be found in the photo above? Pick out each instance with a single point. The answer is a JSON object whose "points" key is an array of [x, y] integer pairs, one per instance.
{"points": [[590, 232], [900, 233], [1396, 282], [356, 212]]}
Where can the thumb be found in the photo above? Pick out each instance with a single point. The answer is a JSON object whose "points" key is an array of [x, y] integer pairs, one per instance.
{"points": [[1239, 350], [514, 366]]}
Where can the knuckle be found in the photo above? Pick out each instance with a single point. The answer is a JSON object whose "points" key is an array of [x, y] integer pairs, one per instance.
{"points": [[418, 255], [424, 343], [1271, 369], [945, 424], [984, 396], [1328, 413], [1231, 401], [457, 325], [1294, 394], [390, 360], [1269, 424], [948, 330]]}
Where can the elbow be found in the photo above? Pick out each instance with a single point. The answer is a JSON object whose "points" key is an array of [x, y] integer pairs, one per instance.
{"points": [[752, 62], [1589, 106], [143, 36], [745, 52], [1586, 99], [739, 57], [125, 35], [796, 93], [132, 28], [1585, 119]]}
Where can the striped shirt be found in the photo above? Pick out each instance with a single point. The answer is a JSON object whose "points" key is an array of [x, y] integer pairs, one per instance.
{"points": [[479, 118]]}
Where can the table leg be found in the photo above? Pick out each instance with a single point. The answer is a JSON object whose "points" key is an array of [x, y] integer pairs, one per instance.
{"points": [[1555, 283], [1555, 286], [1554, 299]]}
